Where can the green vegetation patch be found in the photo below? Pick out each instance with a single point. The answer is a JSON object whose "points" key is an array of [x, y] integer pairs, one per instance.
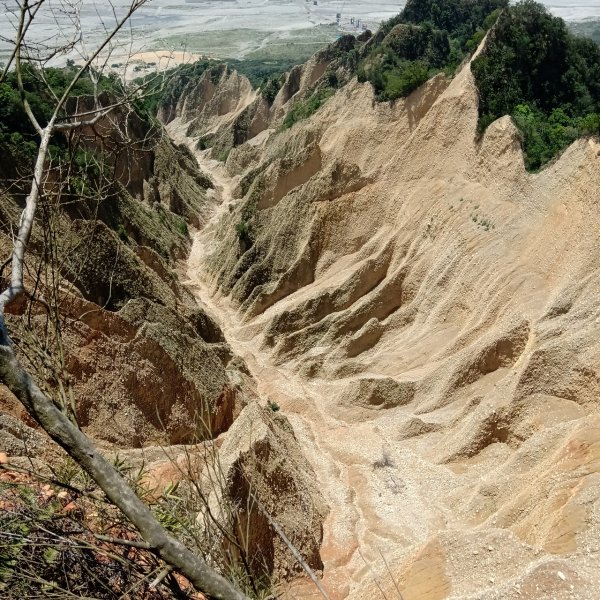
{"points": [[305, 108], [271, 86], [542, 75], [297, 52], [18, 139], [258, 71], [426, 38]]}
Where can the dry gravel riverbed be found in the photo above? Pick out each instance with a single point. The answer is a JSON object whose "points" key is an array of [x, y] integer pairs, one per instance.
{"points": [[231, 28]]}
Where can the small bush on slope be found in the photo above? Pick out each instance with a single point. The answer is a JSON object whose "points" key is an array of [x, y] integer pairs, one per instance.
{"points": [[305, 108], [534, 69]]}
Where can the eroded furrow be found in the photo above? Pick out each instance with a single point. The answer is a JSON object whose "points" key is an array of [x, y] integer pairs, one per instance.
{"points": [[365, 482]]}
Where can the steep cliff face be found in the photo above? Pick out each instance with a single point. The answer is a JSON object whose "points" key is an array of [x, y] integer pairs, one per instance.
{"points": [[144, 360], [219, 92], [269, 476], [210, 107], [436, 307]]}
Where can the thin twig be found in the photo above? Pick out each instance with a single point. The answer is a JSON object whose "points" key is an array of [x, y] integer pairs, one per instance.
{"points": [[292, 549], [122, 542], [162, 575]]}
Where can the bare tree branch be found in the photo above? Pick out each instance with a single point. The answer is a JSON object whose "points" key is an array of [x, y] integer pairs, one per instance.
{"points": [[79, 447], [22, 29], [122, 542], [40, 405]]}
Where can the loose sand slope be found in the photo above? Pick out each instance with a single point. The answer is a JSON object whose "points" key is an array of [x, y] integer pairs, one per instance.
{"points": [[426, 313]]}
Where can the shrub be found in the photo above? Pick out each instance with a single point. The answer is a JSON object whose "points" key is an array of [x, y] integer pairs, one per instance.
{"points": [[544, 77], [242, 229], [401, 83], [49, 550], [182, 227], [122, 233], [306, 108], [270, 88], [224, 155]]}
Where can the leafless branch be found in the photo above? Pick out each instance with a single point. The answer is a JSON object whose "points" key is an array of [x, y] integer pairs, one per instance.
{"points": [[18, 380]]}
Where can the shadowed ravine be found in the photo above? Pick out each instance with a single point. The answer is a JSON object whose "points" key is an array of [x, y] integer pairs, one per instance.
{"points": [[299, 400]]}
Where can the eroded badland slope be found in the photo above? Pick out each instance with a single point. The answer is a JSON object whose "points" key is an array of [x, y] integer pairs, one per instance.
{"points": [[123, 347], [379, 325], [425, 312]]}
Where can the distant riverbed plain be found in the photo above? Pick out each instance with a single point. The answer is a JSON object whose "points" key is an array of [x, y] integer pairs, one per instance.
{"points": [[255, 29]]}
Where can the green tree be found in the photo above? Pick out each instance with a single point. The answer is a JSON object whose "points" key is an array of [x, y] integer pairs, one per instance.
{"points": [[534, 69], [435, 35]]}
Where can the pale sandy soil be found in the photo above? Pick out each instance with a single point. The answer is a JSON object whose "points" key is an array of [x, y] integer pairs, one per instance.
{"points": [[365, 521], [165, 59], [458, 451]]}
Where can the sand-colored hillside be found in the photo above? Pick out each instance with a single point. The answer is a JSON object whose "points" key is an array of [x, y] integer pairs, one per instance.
{"points": [[426, 314]]}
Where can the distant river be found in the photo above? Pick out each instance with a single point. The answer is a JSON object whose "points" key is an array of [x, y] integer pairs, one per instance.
{"points": [[163, 19], [574, 10]]}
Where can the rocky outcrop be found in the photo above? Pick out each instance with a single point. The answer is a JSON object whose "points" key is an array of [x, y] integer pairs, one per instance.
{"points": [[142, 169], [220, 110], [270, 481], [146, 374], [122, 138]]}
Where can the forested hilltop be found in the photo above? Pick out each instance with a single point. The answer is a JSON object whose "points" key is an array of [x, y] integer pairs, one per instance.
{"points": [[426, 38], [545, 77], [532, 67]]}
